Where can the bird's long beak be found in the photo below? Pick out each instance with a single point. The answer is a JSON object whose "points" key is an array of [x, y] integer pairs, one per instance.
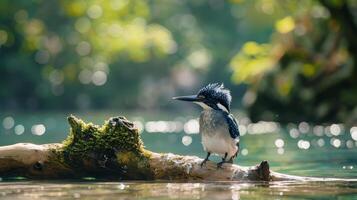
{"points": [[192, 98]]}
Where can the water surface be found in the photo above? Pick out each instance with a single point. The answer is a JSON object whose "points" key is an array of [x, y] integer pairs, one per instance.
{"points": [[163, 190], [305, 149]]}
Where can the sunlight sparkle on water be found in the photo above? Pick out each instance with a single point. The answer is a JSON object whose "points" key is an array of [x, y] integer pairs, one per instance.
{"points": [[328, 131], [304, 127], [321, 142], [8, 122], [242, 130], [19, 129], [262, 127], [186, 140], [279, 143], [244, 152], [139, 125], [163, 126], [294, 133], [354, 133], [347, 167], [303, 144], [318, 130], [280, 151], [349, 144], [122, 186], [38, 129], [335, 129], [335, 142], [191, 127]]}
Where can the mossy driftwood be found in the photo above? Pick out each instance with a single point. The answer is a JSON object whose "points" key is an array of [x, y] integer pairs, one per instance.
{"points": [[115, 151]]}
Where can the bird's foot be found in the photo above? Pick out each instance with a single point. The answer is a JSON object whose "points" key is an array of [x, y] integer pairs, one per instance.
{"points": [[219, 165], [203, 162]]}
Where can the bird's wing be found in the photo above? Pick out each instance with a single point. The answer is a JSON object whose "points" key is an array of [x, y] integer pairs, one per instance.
{"points": [[232, 125]]}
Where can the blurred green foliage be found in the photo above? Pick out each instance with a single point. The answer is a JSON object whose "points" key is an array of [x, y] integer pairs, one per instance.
{"points": [[56, 52], [289, 59], [308, 70]]}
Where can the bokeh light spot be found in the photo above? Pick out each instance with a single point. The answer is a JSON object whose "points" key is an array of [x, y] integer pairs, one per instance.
{"points": [[244, 152], [294, 133], [85, 76], [304, 127], [279, 143], [350, 144], [3, 37], [303, 144], [280, 151], [99, 78], [335, 129], [83, 48], [191, 127], [42, 57], [321, 142], [336, 142], [8, 122], [82, 25], [19, 129], [95, 11], [354, 135], [285, 25], [56, 77], [186, 140], [38, 129]]}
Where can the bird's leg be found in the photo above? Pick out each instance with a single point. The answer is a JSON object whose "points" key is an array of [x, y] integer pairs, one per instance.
{"points": [[230, 160], [219, 165], [206, 159], [234, 156]]}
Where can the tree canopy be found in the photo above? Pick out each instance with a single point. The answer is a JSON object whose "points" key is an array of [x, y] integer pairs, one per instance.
{"points": [[286, 60]]}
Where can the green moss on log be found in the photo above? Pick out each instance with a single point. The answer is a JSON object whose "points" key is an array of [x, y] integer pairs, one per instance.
{"points": [[115, 148]]}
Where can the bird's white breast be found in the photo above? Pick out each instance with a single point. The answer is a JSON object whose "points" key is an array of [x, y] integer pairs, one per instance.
{"points": [[219, 146], [215, 134]]}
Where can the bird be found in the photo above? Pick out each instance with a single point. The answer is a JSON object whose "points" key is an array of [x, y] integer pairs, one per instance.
{"points": [[217, 126]]}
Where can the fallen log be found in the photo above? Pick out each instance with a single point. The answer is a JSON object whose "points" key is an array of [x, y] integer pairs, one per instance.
{"points": [[115, 151]]}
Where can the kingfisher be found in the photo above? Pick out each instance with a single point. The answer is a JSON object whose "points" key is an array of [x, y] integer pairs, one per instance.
{"points": [[218, 127]]}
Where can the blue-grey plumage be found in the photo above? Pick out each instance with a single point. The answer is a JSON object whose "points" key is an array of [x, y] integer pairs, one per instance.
{"points": [[218, 127], [215, 133]]}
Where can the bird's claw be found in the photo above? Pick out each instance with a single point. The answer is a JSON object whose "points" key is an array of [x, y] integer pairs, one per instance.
{"points": [[204, 162], [219, 165]]}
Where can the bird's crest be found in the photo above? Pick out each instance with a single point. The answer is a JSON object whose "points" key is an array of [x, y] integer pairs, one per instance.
{"points": [[217, 90]]}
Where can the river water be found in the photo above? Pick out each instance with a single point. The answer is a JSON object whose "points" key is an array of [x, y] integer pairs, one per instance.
{"points": [[304, 149]]}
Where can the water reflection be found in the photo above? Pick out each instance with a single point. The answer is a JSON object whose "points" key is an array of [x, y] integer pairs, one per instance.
{"points": [[163, 190]]}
